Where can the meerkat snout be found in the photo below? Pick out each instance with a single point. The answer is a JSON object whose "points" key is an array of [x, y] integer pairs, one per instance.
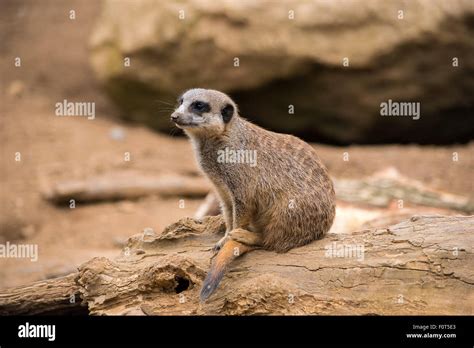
{"points": [[182, 119], [174, 117]]}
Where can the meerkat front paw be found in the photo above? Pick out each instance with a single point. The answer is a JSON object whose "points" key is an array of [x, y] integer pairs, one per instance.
{"points": [[219, 244]]}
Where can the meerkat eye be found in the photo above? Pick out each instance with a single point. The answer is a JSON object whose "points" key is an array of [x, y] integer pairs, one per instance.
{"points": [[200, 107], [180, 101]]}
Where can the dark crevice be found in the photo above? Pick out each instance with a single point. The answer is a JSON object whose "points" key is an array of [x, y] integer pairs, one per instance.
{"points": [[76, 310], [182, 284]]}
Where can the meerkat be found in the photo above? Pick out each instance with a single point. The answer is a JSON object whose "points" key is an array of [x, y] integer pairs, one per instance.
{"points": [[282, 199]]}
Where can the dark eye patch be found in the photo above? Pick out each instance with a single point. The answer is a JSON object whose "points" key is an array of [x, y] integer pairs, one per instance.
{"points": [[227, 112], [180, 100], [200, 107]]}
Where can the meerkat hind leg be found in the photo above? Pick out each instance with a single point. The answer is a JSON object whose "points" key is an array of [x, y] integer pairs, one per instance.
{"points": [[246, 237], [242, 236]]}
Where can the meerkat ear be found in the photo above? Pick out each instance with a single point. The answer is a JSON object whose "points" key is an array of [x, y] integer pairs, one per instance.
{"points": [[227, 112]]}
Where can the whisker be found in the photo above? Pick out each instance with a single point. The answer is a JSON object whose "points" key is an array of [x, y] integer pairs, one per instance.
{"points": [[173, 131], [164, 102]]}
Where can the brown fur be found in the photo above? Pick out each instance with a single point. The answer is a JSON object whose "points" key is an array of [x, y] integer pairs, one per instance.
{"points": [[285, 201]]}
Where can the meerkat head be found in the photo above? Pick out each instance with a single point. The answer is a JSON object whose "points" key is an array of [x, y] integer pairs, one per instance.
{"points": [[204, 110]]}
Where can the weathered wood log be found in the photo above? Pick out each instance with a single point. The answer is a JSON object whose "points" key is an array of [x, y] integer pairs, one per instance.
{"points": [[126, 185], [389, 185], [378, 190], [52, 296], [209, 207], [423, 265]]}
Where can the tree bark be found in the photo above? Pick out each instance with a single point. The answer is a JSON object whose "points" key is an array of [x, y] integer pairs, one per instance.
{"points": [[52, 296], [423, 266]]}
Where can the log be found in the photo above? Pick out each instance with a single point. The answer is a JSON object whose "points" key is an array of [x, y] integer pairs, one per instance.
{"points": [[388, 185], [126, 185], [422, 266], [52, 296], [209, 207], [378, 190]]}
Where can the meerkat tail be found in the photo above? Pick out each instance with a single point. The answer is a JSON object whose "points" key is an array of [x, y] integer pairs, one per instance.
{"points": [[228, 253]]}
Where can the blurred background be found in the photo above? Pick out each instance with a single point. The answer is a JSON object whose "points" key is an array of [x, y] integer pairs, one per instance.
{"points": [[317, 69]]}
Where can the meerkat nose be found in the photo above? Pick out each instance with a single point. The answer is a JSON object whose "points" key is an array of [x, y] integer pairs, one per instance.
{"points": [[174, 116]]}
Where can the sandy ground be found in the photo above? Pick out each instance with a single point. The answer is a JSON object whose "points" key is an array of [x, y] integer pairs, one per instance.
{"points": [[54, 67]]}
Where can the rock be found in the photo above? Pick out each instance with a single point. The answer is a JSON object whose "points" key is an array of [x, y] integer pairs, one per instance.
{"points": [[298, 62]]}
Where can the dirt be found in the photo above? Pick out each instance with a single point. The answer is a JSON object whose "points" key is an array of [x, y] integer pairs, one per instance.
{"points": [[55, 66]]}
